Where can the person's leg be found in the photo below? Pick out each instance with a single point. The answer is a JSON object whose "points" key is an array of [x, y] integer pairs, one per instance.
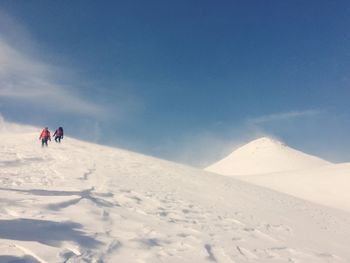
{"points": [[42, 142]]}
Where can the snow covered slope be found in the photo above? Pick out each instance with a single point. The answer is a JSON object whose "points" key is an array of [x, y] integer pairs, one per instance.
{"points": [[326, 185], [264, 155], [80, 202], [269, 163]]}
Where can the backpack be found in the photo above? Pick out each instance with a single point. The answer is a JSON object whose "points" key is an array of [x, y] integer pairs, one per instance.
{"points": [[60, 131]]}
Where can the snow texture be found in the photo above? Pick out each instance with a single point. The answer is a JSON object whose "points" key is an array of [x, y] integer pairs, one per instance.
{"points": [[81, 202]]}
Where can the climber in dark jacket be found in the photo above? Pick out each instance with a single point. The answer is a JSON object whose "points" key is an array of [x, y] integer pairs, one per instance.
{"points": [[58, 134]]}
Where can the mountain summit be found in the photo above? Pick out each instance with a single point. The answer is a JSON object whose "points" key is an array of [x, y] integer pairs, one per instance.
{"points": [[262, 156]]}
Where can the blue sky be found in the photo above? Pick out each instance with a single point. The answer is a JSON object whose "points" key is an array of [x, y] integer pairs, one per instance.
{"points": [[182, 80]]}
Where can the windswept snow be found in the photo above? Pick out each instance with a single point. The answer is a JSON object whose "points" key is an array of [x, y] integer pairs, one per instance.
{"points": [[81, 202], [8, 127], [265, 155]]}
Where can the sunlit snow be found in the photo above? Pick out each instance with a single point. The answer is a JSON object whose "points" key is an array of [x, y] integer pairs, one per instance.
{"points": [[81, 202]]}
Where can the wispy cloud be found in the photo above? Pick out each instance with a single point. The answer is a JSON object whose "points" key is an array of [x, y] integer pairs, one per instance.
{"points": [[283, 116], [27, 79]]}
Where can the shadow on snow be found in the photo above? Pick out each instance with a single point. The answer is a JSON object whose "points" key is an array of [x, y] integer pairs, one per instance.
{"points": [[46, 232], [13, 259], [84, 194]]}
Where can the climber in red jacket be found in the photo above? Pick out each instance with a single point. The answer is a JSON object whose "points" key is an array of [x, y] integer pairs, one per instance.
{"points": [[45, 136]]}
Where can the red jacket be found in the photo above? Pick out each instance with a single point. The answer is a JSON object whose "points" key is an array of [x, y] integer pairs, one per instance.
{"points": [[45, 134]]}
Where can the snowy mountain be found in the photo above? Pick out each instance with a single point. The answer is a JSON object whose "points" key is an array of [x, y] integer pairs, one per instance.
{"points": [[81, 202], [270, 163], [262, 156]]}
